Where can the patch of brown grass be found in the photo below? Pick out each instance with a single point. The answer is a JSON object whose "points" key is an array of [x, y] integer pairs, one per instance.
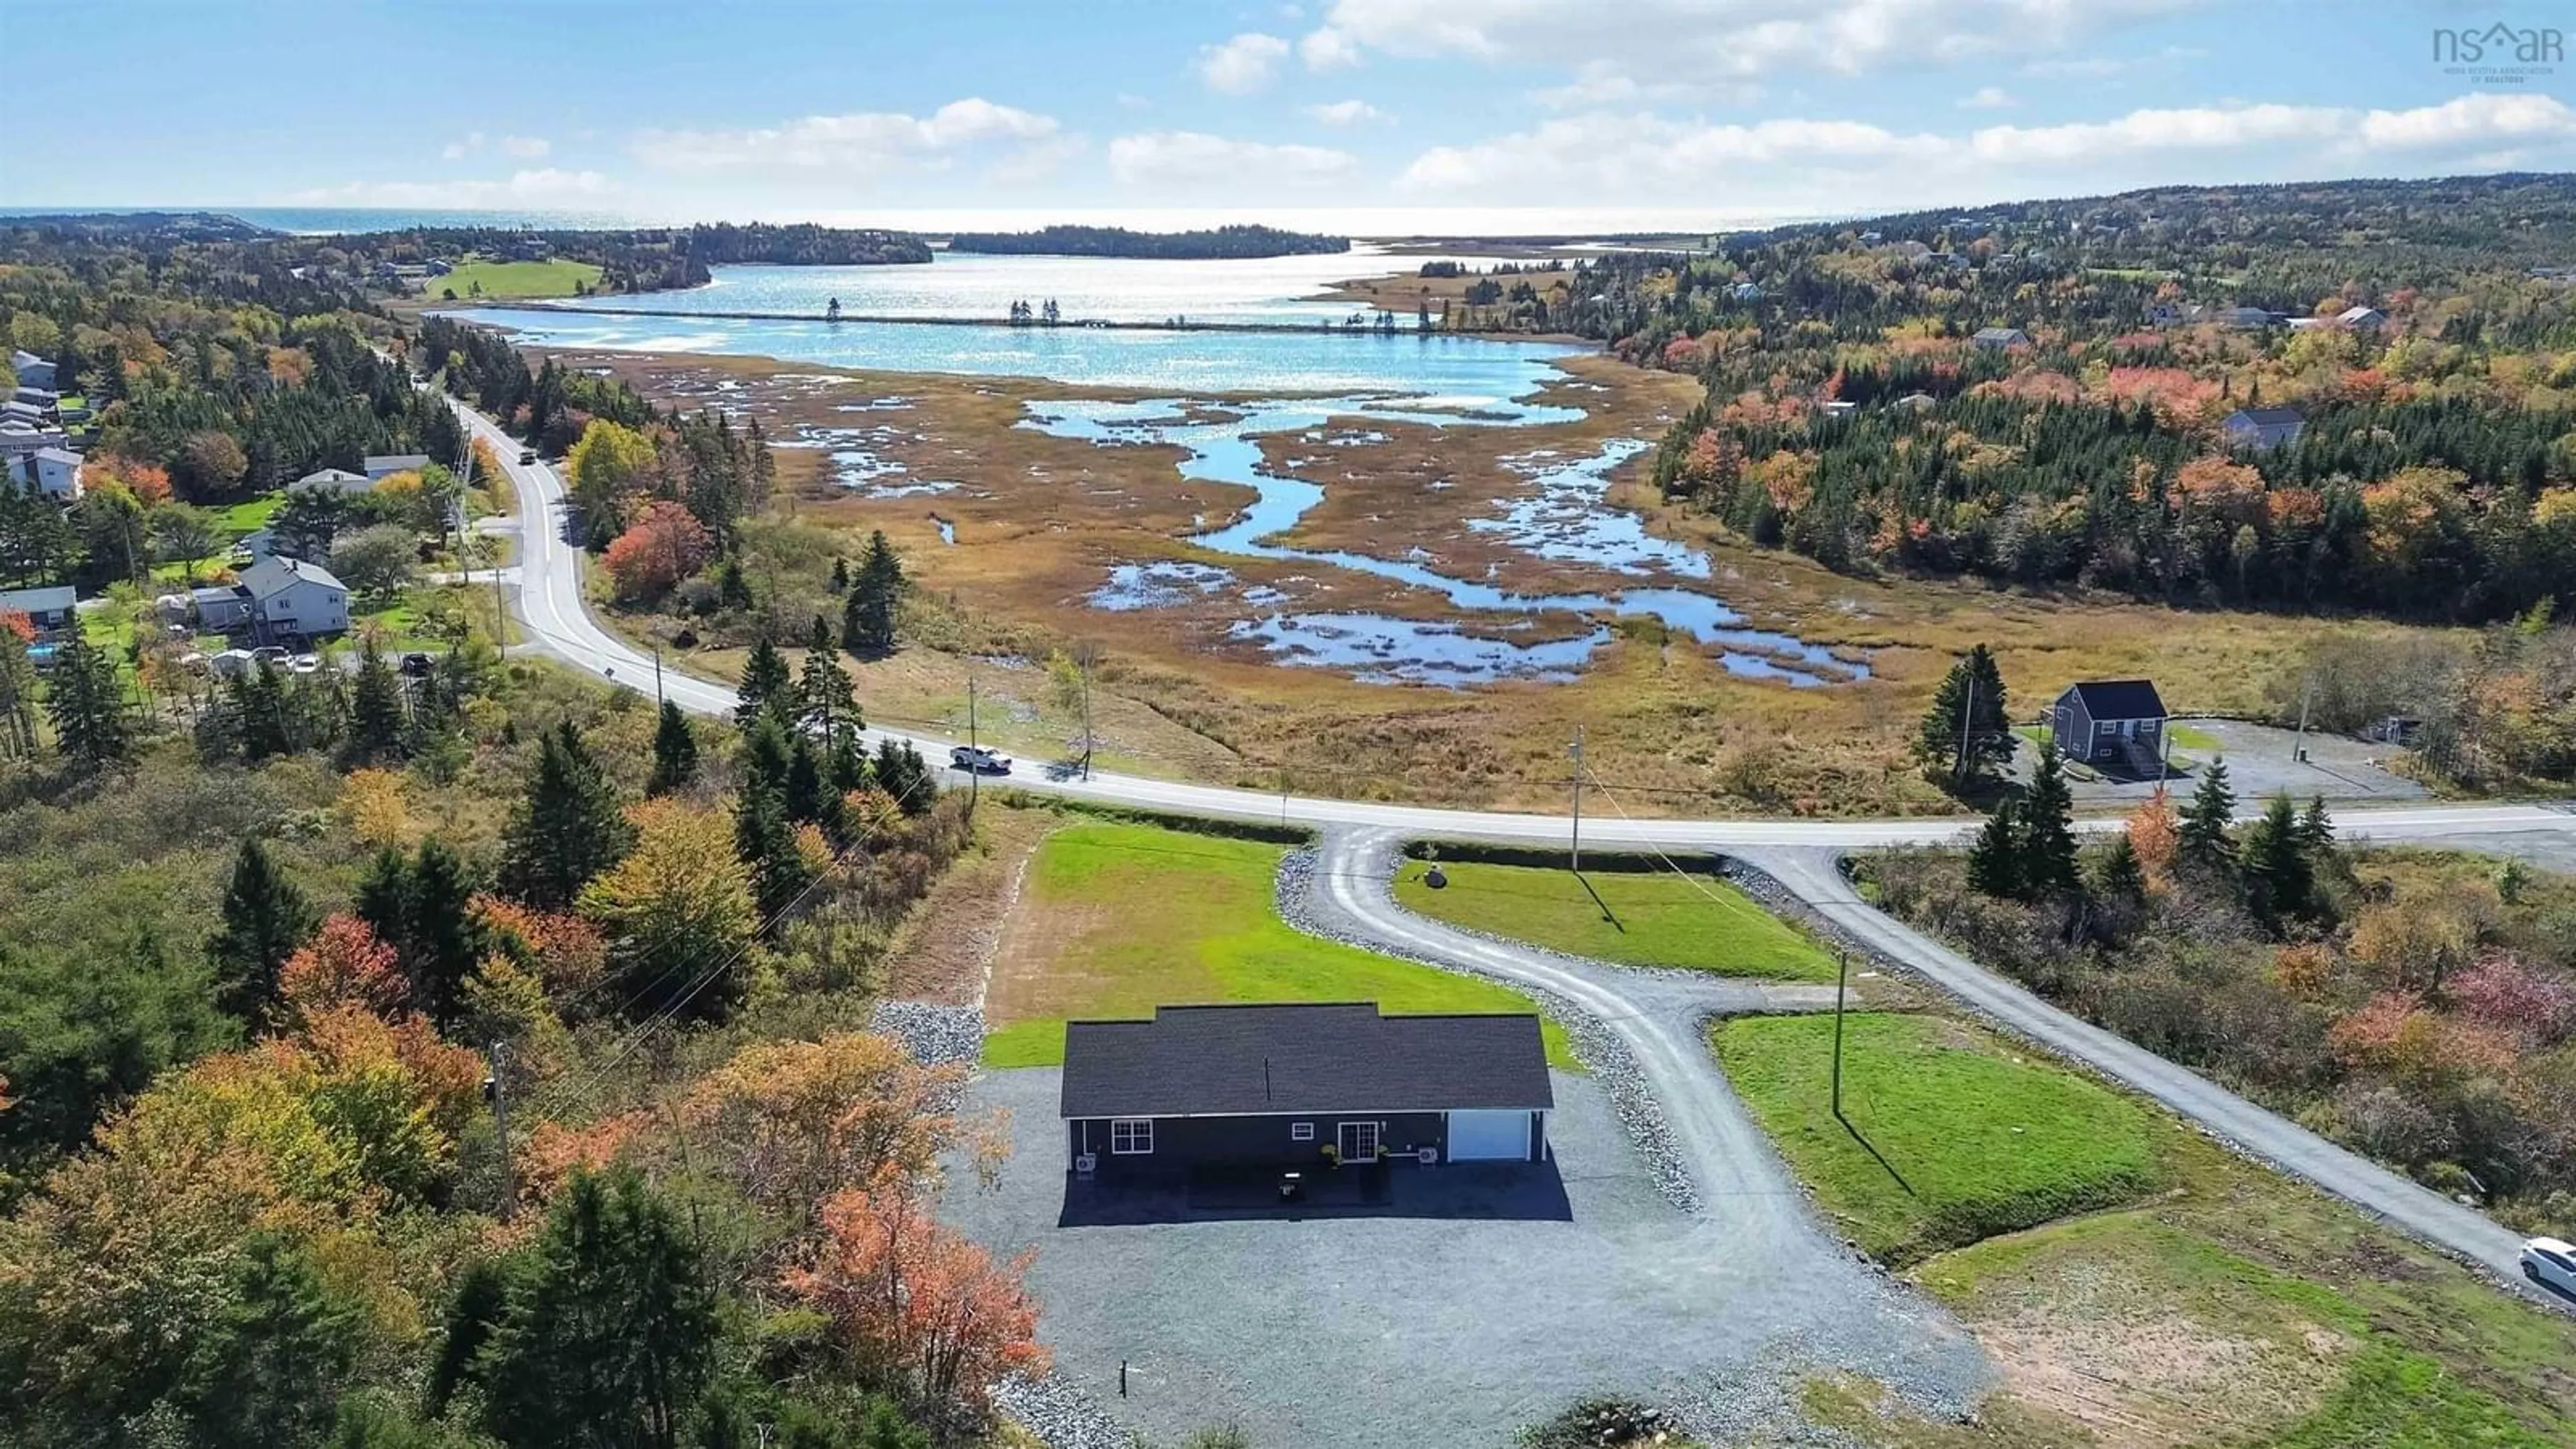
{"points": [[946, 947]]}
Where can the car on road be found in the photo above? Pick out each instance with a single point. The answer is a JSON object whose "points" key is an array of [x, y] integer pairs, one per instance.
{"points": [[417, 665], [2551, 1264], [980, 760], [527, 455]]}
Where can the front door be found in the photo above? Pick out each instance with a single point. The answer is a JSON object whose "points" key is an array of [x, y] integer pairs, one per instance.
{"points": [[1359, 1142]]}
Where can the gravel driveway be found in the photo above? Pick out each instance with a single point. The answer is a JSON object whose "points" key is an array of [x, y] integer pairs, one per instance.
{"points": [[1353, 1331]]}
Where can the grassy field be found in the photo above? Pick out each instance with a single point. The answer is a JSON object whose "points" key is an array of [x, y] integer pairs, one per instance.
{"points": [[2187, 738], [1635, 917], [2133, 1282], [1115, 920], [250, 515], [1951, 1140], [514, 279]]}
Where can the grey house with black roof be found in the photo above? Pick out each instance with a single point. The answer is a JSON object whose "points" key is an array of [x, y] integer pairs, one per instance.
{"points": [[2110, 721], [1276, 1085]]}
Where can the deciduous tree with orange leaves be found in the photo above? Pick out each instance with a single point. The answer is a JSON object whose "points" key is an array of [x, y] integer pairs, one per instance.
{"points": [[664, 546], [343, 965], [916, 1307]]}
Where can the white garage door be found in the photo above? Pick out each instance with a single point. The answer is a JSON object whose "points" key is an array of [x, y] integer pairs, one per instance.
{"points": [[1489, 1136]]}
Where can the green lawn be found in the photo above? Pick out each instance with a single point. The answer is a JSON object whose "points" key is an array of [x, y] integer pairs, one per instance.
{"points": [[2187, 738], [1117, 919], [514, 279], [250, 515], [1970, 1139], [1641, 918]]}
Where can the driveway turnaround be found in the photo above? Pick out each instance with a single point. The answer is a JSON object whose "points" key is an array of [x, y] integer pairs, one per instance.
{"points": [[1343, 1329], [1815, 877]]}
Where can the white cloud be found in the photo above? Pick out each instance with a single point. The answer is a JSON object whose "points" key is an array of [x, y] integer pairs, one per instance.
{"points": [[517, 148], [1735, 39], [863, 143], [1599, 85], [1834, 165], [548, 187], [1325, 48], [1130, 101], [1346, 113], [2088, 67], [1242, 65], [1986, 98], [1189, 161]]}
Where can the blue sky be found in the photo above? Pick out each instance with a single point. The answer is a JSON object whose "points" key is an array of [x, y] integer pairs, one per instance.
{"points": [[1355, 114]]}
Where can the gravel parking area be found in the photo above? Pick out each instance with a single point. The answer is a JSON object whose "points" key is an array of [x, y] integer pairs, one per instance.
{"points": [[1384, 1331], [2262, 761]]}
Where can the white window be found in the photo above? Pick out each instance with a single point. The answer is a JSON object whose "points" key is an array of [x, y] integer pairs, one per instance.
{"points": [[1130, 1136], [1301, 1131]]}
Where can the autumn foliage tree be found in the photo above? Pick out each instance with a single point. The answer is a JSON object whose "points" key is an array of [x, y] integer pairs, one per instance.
{"points": [[915, 1307], [344, 964], [663, 546], [793, 1122]]}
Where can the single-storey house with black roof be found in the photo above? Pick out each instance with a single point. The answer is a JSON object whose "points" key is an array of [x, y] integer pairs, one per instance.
{"points": [[2110, 721], [1277, 1085]]}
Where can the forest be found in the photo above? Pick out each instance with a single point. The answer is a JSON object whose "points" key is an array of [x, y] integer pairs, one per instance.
{"points": [[2040, 395], [369, 1034], [1118, 241]]}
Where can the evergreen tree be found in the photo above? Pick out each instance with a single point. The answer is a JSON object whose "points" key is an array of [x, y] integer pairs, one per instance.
{"points": [[567, 826], [1971, 696], [675, 752], [766, 755], [901, 772], [840, 576], [1994, 862], [2048, 862], [765, 683], [609, 1335], [265, 919], [376, 724], [876, 592], [824, 690], [2316, 829], [766, 843], [2203, 839], [2118, 875], [849, 767], [805, 791], [259, 698], [384, 897], [267, 1371], [91, 725], [444, 943], [2279, 880], [733, 586]]}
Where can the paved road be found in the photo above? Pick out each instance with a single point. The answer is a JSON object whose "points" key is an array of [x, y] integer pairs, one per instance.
{"points": [[1727, 1154], [1816, 877]]}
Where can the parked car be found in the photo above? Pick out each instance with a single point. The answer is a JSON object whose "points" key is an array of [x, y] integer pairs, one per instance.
{"points": [[527, 456], [2551, 1264], [268, 654], [417, 665], [980, 760]]}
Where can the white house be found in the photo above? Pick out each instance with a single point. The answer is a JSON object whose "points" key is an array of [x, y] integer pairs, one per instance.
{"points": [[1745, 292], [338, 480], [32, 371], [290, 596], [53, 472], [2362, 319], [385, 465], [260, 544], [1998, 339], [50, 608]]}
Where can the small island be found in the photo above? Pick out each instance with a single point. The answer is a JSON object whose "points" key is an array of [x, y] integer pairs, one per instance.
{"points": [[1231, 243]]}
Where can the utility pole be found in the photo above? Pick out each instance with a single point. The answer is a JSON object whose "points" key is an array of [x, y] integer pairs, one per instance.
{"points": [[1842, 976], [1574, 842], [2299, 748], [1082, 656], [497, 1088], [1967, 718]]}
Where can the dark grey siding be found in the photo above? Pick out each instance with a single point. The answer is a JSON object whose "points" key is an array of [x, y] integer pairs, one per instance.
{"points": [[2073, 728], [1181, 1143]]}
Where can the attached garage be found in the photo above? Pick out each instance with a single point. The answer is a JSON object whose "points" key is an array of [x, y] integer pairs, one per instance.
{"points": [[1489, 1136]]}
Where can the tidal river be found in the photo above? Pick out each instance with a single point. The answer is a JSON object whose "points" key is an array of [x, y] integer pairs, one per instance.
{"points": [[1308, 384]]}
